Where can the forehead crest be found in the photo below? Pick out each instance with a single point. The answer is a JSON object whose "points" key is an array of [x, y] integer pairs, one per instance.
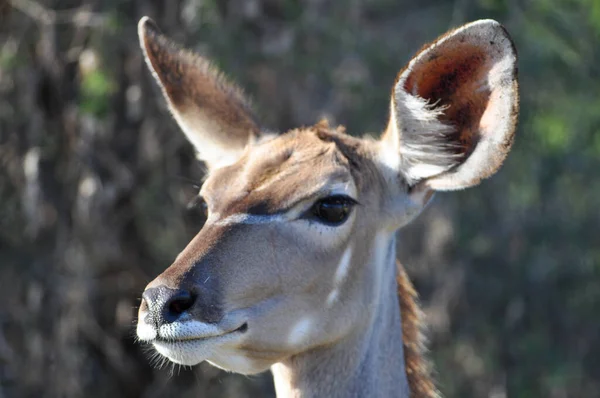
{"points": [[276, 173]]}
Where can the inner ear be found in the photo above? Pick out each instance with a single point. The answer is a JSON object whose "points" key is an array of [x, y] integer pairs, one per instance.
{"points": [[454, 108], [455, 81]]}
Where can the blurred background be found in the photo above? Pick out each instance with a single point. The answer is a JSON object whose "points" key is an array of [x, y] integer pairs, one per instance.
{"points": [[95, 178]]}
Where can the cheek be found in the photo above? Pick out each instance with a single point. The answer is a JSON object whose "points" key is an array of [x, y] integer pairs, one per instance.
{"points": [[286, 255], [309, 308], [280, 328], [301, 330], [313, 242], [285, 329], [233, 360]]}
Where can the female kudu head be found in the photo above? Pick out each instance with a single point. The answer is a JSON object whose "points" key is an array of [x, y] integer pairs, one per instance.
{"points": [[295, 251]]}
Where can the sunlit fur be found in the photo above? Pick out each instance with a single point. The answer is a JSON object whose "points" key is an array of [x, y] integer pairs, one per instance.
{"points": [[276, 287]]}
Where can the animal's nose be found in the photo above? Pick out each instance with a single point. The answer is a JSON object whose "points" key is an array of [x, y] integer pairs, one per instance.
{"points": [[166, 305]]}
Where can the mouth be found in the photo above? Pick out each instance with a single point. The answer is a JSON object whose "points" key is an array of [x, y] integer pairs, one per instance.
{"points": [[190, 343], [171, 339], [190, 347]]}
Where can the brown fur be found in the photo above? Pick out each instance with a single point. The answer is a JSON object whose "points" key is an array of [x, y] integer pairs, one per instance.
{"points": [[191, 83], [417, 367], [274, 273]]}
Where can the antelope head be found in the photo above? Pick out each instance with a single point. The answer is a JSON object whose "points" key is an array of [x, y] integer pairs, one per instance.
{"points": [[295, 254]]}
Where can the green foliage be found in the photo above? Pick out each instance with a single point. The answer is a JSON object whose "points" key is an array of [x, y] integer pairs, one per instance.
{"points": [[520, 321], [96, 89]]}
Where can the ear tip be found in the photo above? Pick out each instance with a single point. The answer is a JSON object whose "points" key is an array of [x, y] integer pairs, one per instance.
{"points": [[492, 32], [147, 27], [488, 26], [147, 23], [486, 21]]}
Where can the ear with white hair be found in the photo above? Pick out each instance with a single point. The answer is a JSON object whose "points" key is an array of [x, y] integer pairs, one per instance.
{"points": [[454, 109], [212, 112]]}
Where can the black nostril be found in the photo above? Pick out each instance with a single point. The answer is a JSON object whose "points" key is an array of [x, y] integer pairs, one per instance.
{"points": [[165, 305], [177, 304]]}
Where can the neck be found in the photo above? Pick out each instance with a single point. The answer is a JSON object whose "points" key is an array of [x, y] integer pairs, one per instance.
{"points": [[367, 363]]}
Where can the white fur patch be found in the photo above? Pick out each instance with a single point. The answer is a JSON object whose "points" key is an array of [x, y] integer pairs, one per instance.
{"points": [[381, 246], [341, 273], [343, 266], [189, 330], [301, 330], [332, 297], [232, 361], [245, 218], [421, 171], [145, 331], [420, 134], [411, 115], [389, 150], [189, 353], [389, 156]]}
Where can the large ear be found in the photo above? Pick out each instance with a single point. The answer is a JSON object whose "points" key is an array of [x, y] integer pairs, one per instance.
{"points": [[213, 113], [454, 108]]}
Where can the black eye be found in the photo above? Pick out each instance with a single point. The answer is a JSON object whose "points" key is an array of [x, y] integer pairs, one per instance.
{"points": [[198, 206], [333, 210]]}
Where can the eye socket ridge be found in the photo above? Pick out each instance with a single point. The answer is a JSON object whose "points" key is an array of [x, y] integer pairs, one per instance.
{"points": [[332, 210]]}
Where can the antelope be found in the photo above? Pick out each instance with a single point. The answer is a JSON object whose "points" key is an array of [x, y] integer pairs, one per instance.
{"points": [[295, 268]]}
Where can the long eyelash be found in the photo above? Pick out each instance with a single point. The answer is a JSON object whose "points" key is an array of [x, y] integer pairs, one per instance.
{"points": [[347, 198]]}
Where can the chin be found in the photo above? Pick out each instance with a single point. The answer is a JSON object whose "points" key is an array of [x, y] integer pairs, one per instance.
{"points": [[193, 352], [187, 353], [238, 363]]}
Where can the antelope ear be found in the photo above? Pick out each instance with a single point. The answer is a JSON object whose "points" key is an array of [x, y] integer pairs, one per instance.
{"points": [[454, 108], [213, 113]]}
